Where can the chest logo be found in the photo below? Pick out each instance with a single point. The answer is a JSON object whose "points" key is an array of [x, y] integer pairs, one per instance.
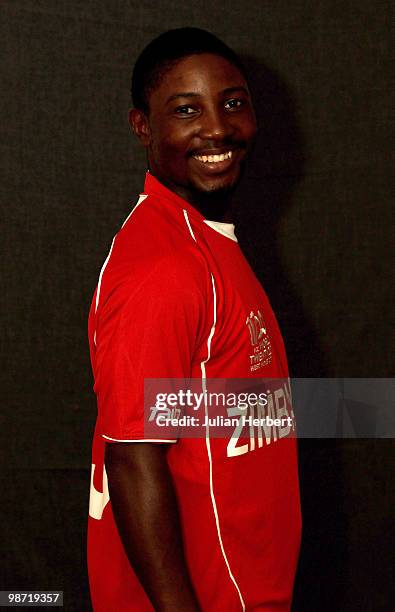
{"points": [[260, 341]]}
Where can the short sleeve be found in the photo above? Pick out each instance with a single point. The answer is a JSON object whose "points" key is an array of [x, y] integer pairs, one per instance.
{"points": [[146, 327]]}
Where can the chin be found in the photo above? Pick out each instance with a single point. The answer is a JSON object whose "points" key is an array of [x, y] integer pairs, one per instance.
{"points": [[217, 187]]}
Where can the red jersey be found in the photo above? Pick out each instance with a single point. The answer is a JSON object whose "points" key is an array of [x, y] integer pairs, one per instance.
{"points": [[177, 299]]}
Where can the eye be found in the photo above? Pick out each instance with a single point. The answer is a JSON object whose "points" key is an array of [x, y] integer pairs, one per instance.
{"points": [[185, 110], [234, 104]]}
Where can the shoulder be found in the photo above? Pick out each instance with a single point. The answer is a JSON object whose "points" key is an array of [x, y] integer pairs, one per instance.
{"points": [[156, 229], [154, 253]]}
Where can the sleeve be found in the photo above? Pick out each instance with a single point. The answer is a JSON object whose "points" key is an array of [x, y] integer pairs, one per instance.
{"points": [[146, 327]]}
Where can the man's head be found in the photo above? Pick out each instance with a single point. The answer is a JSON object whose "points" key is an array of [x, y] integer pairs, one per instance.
{"points": [[192, 112]]}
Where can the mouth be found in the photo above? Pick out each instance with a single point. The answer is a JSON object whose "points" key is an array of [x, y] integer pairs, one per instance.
{"points": [[215, 163], [214, 158]]}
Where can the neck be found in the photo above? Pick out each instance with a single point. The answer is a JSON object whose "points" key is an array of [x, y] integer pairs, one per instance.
{"points": [[214, 206]]}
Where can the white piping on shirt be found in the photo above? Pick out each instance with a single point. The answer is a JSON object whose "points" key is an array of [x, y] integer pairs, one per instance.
{"points": [[208, 446], [101, 273], [188, 224], [144, 440], [141, 199]]}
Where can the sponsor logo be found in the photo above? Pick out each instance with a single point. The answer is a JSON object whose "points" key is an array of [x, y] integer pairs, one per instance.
{"points": [[260, 341], [256, 326]]}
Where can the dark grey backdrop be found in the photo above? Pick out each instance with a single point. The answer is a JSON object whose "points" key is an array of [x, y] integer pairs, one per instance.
{"points": [[314, 218]]}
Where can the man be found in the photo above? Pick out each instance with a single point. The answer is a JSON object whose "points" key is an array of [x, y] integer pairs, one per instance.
{"points": [[189, 524]]}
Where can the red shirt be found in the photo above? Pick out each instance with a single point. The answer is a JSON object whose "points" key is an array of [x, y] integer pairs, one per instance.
{"points": [[177, 299]]}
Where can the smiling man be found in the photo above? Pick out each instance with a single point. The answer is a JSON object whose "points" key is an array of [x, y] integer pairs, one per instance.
{"points": [[198, 129], [211, 523]]}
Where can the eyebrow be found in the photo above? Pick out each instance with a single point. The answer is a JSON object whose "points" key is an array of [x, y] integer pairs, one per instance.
{"points": [[193, 94], [230, 90], [183, 94]]}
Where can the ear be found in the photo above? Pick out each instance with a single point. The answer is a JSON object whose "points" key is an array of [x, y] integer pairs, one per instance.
{"points": [[140, 126]]}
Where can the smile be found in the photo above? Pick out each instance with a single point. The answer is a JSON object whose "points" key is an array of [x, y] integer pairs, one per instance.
{"points": [[214, 158]]}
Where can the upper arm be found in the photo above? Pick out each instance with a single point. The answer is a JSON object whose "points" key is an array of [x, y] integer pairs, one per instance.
{"points": [[139, 480], [135, 456], [147, 326]]}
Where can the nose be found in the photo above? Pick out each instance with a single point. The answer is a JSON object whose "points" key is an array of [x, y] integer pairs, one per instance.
{"points": [[215, 125]]}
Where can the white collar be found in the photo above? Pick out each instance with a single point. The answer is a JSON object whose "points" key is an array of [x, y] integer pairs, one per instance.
{"points": [[226, 229]]}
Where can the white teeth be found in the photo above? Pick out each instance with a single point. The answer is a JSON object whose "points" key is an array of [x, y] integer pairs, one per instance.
{"points": [[214, 158]]}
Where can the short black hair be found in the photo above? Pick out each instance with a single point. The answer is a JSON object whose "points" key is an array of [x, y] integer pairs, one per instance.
{"points": [[168, 49]]}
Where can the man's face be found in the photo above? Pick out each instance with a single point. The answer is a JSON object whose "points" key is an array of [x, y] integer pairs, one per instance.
{"points": [[200, 126]]}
